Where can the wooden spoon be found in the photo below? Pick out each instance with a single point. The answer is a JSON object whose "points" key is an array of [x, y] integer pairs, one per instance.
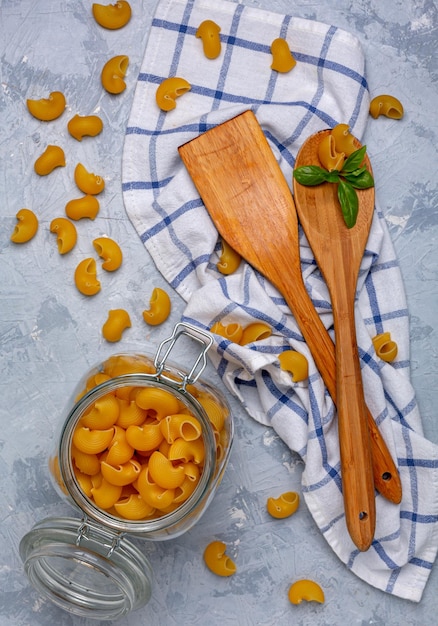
{"points": [[252, 207], [338, 250]]}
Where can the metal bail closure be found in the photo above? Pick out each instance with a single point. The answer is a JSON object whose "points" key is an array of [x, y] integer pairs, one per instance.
{"points": [[180, 330], [86, 569]]}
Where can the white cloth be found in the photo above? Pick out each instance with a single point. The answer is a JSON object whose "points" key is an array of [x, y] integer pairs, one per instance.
{"points": [[327, 86]]}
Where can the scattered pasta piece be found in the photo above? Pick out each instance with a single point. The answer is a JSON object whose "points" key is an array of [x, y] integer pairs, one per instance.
{"points": [[66, 234], [88, 183], [295, 363], [81, 126], [217, 560], [110, 252], [328, 155], [169, 90], [79, 208], [47, 109], [282, 58], [255, 332], [51, 158], [229, 259], [118, 320], [26, 226], [386, 105], [112, 16], [305, 590], [233, 332], [208, 31], [385, 348], [159, 308], [113, 74], [283, 506], [86, 279], [344, 140]]}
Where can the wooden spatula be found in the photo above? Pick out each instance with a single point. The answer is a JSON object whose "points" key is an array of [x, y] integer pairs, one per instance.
{"points": [[252, 207]]}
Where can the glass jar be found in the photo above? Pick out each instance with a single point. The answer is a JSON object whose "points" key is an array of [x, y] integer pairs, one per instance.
{"points": [[141, 452]]}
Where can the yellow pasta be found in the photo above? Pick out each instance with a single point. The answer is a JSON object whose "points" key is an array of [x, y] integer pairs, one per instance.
{"points": [[81, 126], [217, 560], [344, 140], [92, 441], [47, 109], [121, 475], [154, 495], [109, 251], [51, 158], [257, 331], [208, 31], [88, 182], [233, 332], [130, 413], [164, 473], [133, 507], [186, 451], [104, 494], [180, 425], [85, 277], [295, 363], [385, 348], [282, 58], [169, 90], [229, 260], [284, 506], [26, 227], [103, 414], [121, 364], [185, 490], [119, 450], [87, 206], [118, 320], [159, 308], [84, 482], [159, 401], [66, 234], [113, 74], [305, 590], [144, 438], [216, 413], [329, 157], [112, 16], [88, 464], [386, 105]]}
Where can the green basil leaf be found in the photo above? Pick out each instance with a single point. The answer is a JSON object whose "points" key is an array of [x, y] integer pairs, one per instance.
{"points": [[354, 160], [332, 177], [357, 172], [362, 181], [310, 175], [349, 202]]}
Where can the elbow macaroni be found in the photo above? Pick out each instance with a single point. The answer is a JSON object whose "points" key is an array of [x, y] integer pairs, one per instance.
{"points": [[47, 109], [169, 90], [113, 16], [110, 252], [81, 126], [343, 139], [85, 277], [79, 208], [66, 234], [160, 307], [305, 590], [118, 320], [113, 74], [385, 348], [51, 158], [257, 331], [295, 363], [386, 105], [88, 182], [328, 155], [283, 506], [217, 560], [229, 260], [282, 58], [26, 227], [208, 31], [233, 332]]}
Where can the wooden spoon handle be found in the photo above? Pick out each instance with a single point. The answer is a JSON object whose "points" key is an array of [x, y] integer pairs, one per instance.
{"points": [[385, 473], [354, 440]]}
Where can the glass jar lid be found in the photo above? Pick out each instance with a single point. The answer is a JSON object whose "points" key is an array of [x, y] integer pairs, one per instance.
{"points": [[86, 569]]}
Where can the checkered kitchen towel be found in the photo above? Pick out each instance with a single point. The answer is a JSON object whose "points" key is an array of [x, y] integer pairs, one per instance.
{"points": [[326, 87]]}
